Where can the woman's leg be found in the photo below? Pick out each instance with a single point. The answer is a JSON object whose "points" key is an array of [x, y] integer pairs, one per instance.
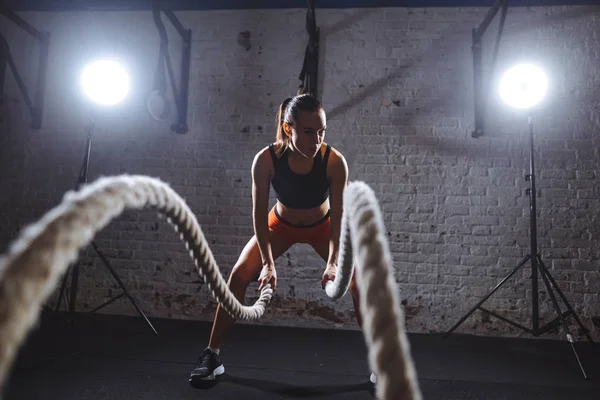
{"points": [[246, 270], [353, 289], [322, 248]]}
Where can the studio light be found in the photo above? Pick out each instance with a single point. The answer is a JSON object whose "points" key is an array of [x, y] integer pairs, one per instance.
{"points": [[105, 82], [523, 86]]}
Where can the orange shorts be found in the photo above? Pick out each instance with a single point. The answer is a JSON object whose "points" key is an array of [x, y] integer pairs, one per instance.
{"points": [[311, 234]]}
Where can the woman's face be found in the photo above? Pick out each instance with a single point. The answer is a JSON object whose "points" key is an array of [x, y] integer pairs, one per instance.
{"points": [[308, 133]]}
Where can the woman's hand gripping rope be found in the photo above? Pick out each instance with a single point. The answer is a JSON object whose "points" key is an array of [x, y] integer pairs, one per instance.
{"points": [[41, 255]]}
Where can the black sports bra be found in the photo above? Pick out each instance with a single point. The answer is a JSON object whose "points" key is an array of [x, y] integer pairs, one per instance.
{"points": [[301, 191]]}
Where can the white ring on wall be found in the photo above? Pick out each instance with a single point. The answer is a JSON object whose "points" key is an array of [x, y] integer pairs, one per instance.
{"points": [[158, 106]]}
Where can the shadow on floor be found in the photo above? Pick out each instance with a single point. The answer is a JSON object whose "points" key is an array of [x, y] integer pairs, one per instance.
{"points": [[289, 390]]}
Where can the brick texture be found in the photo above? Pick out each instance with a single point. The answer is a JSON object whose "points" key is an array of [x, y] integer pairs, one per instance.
{"points": [[397, 86]]}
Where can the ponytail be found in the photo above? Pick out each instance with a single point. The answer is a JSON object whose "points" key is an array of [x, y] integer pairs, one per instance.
{"points": [[281, 139]]}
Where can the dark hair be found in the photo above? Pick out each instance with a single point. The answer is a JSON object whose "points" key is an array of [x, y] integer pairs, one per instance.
{"points": [[289, 110]]}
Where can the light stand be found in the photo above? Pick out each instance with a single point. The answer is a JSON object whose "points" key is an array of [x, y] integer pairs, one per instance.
{"points": [[83, 179], [537, 265], [106, 83]]}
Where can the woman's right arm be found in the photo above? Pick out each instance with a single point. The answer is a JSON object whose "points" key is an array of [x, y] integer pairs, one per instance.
{"points": [[261, 180]]}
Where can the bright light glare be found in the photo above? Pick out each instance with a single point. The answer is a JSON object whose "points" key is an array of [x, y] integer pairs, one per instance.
{"points": [[523, 86], [105, 82]]}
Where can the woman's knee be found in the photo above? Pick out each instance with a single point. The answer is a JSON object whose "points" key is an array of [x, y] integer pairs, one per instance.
{"points": [[353, 288], [243, 274]]}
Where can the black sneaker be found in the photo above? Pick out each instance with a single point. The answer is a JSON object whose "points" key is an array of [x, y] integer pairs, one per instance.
{"points": [[208, 368]]}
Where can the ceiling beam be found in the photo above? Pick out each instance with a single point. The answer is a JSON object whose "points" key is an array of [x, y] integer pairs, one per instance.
{"points": [[121, 5]]}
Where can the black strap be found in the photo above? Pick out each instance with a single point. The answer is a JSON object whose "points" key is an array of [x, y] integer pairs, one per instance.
{"points": [[327, 151], [326, 157], [273, 156], [308, 74]]}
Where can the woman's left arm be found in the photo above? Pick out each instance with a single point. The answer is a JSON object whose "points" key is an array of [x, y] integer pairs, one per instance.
{"points": [[338, 178]]}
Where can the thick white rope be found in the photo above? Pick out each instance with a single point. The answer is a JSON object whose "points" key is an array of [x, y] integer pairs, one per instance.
{"points": [[41, 255], [383, 320], [34, 263]]}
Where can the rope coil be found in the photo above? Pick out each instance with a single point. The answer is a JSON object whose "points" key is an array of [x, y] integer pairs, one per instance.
{"points": [[31, 269]]}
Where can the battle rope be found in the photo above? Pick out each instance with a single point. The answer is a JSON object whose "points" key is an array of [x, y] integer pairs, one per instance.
{"points": [[37, 259], [383, 320]]}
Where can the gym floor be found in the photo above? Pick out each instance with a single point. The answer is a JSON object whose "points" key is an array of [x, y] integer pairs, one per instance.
{"points": [[115, 357]]}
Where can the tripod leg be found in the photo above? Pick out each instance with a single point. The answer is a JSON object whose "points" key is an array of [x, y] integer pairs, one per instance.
{"points": [[562, 320], [61, 293], [114, 274], [83, 178], [564, 299], [74, 285], [507, 277]]}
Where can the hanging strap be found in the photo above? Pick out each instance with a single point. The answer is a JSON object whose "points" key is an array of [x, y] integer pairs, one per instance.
{"points": [[308, 74]]}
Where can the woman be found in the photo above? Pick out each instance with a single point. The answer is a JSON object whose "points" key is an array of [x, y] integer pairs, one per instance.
{"points": [[308, 177]]}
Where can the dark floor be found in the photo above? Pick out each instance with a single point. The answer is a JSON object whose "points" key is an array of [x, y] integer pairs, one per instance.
{"points": [[113, 358]]}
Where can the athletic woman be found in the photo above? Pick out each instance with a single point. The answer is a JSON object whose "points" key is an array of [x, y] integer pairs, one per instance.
{"points": [[308, 177]]}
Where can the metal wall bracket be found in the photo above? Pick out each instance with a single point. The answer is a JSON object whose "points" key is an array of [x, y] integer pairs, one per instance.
{"points": [[164, 60], [36, 107], [310, 66], [481, 93]]}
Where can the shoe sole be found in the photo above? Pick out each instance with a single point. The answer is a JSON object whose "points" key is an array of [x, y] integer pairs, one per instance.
{"points": [[373, 379], [218, 371]]}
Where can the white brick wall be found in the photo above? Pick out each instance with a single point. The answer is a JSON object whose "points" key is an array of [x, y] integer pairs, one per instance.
{"points": [[397, 85]]}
